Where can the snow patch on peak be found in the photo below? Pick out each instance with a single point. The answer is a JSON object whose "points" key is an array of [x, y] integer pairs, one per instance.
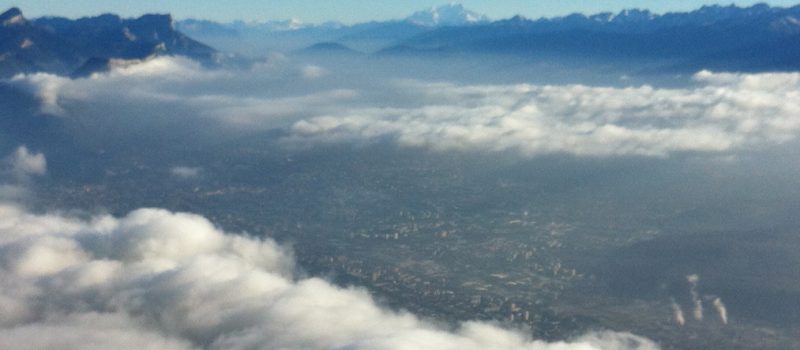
{"points": [[452, 14], [294, 24], [26, 43], [128, 34], [631, 15], [788, 25], [12, 17]]}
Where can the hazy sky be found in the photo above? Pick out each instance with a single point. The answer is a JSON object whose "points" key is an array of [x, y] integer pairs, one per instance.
{"points": [[348, 11]]}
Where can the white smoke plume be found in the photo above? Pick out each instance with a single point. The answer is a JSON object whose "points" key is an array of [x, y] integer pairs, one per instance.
{"points": [[184, 172], [160, 280], [696, 300], [721, 310], [677, 314]]}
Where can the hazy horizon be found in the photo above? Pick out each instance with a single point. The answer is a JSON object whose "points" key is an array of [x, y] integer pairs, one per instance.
{"points": [[353, 11]]}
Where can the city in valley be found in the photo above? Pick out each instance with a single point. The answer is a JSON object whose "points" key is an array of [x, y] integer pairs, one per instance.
{"points": [[548, 176]]}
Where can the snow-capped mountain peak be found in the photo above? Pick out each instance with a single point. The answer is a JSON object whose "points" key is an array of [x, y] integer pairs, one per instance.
{"points": [[12, 17], [451, 14], [789, 25]]}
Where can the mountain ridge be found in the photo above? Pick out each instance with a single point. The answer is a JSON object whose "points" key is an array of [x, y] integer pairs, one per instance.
{"points": [[758, 37], [726, 37], [62, 46]]}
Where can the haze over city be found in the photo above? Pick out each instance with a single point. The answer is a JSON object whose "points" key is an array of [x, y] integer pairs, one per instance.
{"points": [[207, 175]]}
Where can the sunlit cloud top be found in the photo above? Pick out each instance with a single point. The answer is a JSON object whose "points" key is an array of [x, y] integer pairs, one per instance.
{"points": [[719, 113]]}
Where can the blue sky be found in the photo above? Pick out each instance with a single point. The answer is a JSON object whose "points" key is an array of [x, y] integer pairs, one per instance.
{"points": [[348, 11]]}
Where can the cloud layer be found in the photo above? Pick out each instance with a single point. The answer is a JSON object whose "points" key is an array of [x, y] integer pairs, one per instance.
{"points": [[725, 112], [161, 280], [719, 113], [16, 172], [23, 163]]}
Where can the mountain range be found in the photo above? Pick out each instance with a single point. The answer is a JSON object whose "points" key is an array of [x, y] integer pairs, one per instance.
{"points": [[758, 37], [719, 37], [293, 34], [66, 46], [446, 15]]}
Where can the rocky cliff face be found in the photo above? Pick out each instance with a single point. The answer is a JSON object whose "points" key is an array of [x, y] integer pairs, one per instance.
{"points": [[62, 46]]}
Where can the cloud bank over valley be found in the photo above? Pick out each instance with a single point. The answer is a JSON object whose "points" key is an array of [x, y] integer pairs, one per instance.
{"points": [[715, 113], [395, 175]]}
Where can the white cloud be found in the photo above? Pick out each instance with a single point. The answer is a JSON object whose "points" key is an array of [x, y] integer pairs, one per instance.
{"points": [[176, 68], [17, 170], [166, 88], [160, 280], [89, 330], [47, 87], [24, 163], [313, 72], [720, 113], [724, 113]]}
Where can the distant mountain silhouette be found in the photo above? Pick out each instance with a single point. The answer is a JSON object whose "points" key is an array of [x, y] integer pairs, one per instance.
{"points": [[328, 48], [757, 37], [754, 38], [293, 35], [207, 28], [62, 46], [25, 47]]}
